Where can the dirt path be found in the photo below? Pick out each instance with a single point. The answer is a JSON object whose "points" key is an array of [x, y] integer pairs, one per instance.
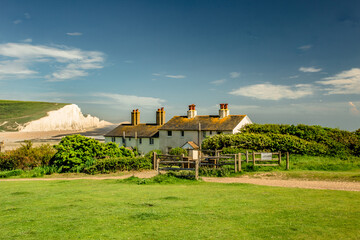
{"points": [[345, 186]]}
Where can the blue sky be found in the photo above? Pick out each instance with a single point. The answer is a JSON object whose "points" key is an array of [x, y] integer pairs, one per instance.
{"points": [[276, 61]]}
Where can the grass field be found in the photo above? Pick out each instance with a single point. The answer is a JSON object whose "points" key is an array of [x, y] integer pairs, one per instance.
{"points": [[115, 209], [20, 112]]}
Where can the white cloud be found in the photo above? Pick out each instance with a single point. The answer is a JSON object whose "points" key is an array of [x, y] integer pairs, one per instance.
{"points": [[175, 76], [131, 100], [28, 40], [305, 47], [345, 82], [27, 15], [156, 74], [269, 91], [309, 69], [218, 82], [234, 74], [354, 110], [74, 33], [129, 61], [17, 21], [69, 62], [295, 76]]}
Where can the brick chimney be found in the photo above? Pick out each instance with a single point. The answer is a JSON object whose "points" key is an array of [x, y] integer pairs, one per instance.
{"points": [[191, 113], [223, 111], [135, 117], [160, 116]]}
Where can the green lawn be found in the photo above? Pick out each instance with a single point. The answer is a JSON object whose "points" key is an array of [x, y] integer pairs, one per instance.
{"points": [[113, 209], [13, 113]]}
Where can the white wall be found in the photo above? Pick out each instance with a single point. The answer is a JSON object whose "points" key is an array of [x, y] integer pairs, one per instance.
{"points": [[176, 140], [143, 148], [246, 120]]}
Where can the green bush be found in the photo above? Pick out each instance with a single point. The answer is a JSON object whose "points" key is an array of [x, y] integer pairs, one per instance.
{"points": [[338, 142], [6, 174], [265, 142], [107, 165], [178, 151], [76, 152], [27, 157]]}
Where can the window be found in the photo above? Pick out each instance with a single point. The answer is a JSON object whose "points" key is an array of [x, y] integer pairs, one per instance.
{"points": [[210, 132], [169, 133], [151, 141], [140, 140], [129, 139], [218, 132], [182, 133], [113, 139], [204, 134]]}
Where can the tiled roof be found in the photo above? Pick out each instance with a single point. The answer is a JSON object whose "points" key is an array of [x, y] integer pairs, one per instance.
{"points": [[142, 130], [192, 144], [208, 123]]}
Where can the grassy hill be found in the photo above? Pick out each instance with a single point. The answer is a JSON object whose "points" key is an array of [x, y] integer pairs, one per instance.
{"points": [[15, 113]]}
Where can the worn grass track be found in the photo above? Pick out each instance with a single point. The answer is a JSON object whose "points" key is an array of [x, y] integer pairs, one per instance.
{"points": [[114, 209]]}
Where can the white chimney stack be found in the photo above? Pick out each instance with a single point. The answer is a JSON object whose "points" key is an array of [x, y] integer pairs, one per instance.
{"points": [[224, 111], [191, 113]]}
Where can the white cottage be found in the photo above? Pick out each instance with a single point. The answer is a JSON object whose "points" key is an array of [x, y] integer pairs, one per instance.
{"points": [[143, 136], [193, 128], [187, 131]]}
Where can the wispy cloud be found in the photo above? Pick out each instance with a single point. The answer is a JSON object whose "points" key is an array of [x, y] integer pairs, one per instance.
{"points": [[234, 74], [354, 110], [28, 40], [269, 91], [129, 61], [346, 82], [305, 47], [17, 21], [295, 76], [69, 63], [309, 69], [131, 100], [74, 33], [218, 82], [156, 74], [27, 15], [175, 76]]}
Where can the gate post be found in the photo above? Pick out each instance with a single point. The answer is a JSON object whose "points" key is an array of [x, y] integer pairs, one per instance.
{"points": [[197, 169], [239, 163], [154, 161]]}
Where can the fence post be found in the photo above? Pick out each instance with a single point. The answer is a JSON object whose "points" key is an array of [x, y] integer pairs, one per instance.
{"points": [[239, 163], [157, 165], [279, 158], [247, 156], [235, 162], [253, 158], [287, 161], [154, 160], [197, 169]]}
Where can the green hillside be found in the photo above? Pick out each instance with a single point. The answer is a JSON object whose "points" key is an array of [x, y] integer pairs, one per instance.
{"points": [[15, 113]]}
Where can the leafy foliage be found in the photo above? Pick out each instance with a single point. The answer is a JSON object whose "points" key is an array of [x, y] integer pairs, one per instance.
{"points": [[27, 157], [178, 151], [107, 165], [76, 152], [300, 139]]}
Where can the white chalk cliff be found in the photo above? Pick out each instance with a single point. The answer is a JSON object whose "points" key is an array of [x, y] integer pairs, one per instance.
{"points": [[69, 117]]}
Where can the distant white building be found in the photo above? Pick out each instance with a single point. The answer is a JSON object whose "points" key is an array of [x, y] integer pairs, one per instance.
{"points": [[187, 131]]}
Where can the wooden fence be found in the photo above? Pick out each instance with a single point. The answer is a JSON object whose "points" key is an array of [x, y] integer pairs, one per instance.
{"points": [[269, 159], [163, 162]]}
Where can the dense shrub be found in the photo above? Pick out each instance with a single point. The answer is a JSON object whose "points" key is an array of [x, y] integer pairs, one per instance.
{"points": [[338, 142], [27, 157], [178, 151], [77, 152], [107, 165], [265, 142]]}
